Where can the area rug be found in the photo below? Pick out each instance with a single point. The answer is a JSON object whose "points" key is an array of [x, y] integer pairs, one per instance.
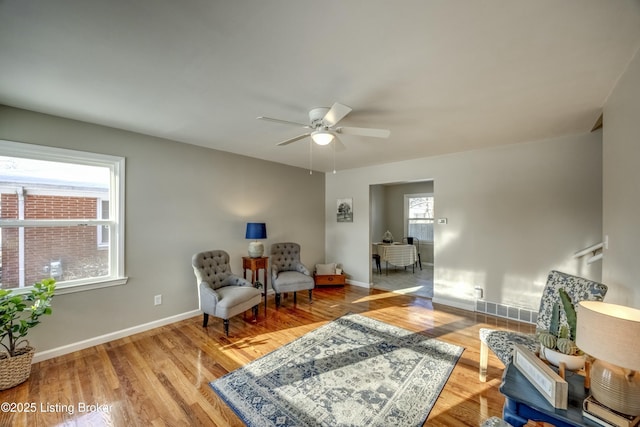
{"points": [[353, 371]]}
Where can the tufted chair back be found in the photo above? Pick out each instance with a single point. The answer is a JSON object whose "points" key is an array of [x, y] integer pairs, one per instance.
{"points": [[285, 256], [211, 267]]}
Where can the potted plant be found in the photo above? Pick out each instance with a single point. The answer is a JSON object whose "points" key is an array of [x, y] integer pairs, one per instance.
{"points": [[18, 314], [558, 343]]}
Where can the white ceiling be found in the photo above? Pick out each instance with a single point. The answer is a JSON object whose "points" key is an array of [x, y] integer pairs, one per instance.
{"points": [[444, 76]]}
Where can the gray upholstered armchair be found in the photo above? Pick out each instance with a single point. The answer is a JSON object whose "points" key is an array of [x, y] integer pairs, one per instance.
{"points": [[222, 294], [288, 274], [501, 342]]}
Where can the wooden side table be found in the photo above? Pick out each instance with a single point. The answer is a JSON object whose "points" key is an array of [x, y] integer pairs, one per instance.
{"points": [[255, 265], [523, 402]]}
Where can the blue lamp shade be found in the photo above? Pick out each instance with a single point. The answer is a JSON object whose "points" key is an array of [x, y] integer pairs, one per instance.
{"points": [[256, 230]]}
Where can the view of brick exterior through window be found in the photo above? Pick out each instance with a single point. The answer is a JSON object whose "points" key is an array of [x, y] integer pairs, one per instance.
{"points": [[65, 253]]}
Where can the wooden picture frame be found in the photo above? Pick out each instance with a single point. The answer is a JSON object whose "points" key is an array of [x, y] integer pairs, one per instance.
{"points": [[550, 385]]}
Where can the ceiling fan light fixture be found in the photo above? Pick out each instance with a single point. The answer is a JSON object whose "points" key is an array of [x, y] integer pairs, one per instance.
{"points": [[322, 137]]}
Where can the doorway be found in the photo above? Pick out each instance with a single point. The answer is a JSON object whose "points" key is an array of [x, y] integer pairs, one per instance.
{"points": [[404, 210]]}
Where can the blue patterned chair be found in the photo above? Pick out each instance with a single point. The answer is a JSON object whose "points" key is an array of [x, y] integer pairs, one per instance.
{"points": [[222, 294], [288, 274], [501, 342]]}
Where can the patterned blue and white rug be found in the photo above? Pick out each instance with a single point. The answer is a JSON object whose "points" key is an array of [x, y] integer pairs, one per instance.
{"points": [[354, 371]]}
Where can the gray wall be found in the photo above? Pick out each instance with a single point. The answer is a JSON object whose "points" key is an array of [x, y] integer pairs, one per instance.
{"points": [[514, 213], [180, 199], [621, 193], [377, 213]]}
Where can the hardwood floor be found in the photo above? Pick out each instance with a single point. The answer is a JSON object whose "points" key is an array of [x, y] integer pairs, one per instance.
{"points": [[416, 283], [161, 377]]}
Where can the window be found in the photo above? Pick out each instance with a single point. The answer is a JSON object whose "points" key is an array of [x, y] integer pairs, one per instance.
{"points": [[419, 216], [61, 216]]}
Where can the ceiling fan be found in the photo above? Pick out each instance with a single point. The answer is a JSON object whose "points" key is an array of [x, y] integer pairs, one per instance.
{"points": [[323, 126]]}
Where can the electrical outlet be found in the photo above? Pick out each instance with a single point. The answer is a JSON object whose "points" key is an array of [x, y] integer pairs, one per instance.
{"points": [[157, 300]]}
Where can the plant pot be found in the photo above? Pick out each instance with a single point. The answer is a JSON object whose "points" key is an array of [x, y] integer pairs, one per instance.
{"points": [[15, 370], [572, 363]]}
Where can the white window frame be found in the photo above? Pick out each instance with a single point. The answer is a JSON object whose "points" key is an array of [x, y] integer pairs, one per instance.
{"points": [[115, 222], [99, 234]]}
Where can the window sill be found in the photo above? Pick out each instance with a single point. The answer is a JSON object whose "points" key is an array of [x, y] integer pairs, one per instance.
{"points": [[80, 287]]}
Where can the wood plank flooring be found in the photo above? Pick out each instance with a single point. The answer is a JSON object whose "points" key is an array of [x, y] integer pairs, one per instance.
{"points": [[161, 377]]}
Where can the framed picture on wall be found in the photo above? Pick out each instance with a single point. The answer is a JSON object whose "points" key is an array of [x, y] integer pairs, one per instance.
{"points": [[344, 211]]}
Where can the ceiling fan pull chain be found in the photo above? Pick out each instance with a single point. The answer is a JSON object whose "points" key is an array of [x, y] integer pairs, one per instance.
{"points": [[310, 157], [334, 157]]}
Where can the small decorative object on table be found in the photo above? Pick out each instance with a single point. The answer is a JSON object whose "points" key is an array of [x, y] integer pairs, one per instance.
{"points": [[18, 314], [550, 385], [557, 344]]}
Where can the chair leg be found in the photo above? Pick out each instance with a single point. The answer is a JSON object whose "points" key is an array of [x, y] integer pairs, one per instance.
{"points": [[226, 326], [205, 320], [255, 313], [419, 262], [277, 300], [376, 260], [295, 297], [310, 296], [484, 361]]}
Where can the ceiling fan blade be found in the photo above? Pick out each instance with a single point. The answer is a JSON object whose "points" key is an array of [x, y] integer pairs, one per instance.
{"points": [[284, 122], [335, 114], [376, 133], [339, 145], [294, 139]]}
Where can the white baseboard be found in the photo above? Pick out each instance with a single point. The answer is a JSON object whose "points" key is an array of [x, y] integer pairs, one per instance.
{"points": [[359, 284], [465, 305], [81, 345]]}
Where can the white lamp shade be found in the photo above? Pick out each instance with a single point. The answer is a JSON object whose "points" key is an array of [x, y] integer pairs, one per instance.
{"points": [[609, 332]]}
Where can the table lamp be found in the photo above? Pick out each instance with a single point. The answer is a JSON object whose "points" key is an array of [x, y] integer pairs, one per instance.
{"points": [[610, 333], [255, 231]]}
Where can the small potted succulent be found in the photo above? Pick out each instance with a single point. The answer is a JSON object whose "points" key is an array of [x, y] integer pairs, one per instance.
{"points": [[18, 314], [558, 343]]}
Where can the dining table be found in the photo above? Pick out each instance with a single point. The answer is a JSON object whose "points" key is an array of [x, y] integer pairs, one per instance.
{"points": [[399, 255]]}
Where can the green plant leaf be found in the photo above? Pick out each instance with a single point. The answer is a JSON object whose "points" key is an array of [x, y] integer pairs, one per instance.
{"points": [[570, 312], [554, 323], [19, 313]]}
